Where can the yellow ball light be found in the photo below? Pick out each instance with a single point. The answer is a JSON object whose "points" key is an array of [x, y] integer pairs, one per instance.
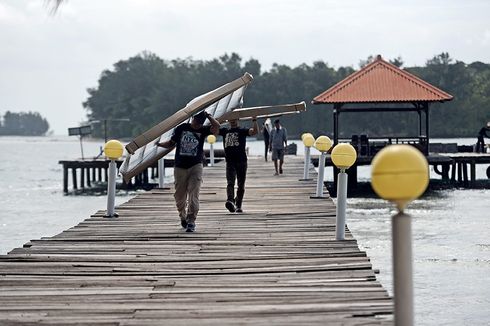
{"points": [[308, 140], [211, 139], [400, 173], [323, 143], [343, 155], [113, 149], [306, 134]]}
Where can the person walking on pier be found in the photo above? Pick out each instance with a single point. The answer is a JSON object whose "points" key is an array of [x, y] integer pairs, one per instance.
{"points": [[277, 145], [266, 135], [484, 132], [189, 141], [234, 140]]}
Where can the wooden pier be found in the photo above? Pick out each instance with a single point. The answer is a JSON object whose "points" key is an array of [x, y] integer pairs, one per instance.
{"points": [[456, 169], [276, 264]]}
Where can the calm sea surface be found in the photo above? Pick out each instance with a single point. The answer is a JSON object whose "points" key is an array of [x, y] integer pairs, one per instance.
{"points": [[451, 228]]}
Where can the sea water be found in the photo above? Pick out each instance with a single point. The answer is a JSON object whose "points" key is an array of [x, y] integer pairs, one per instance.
{"points": [[451, 228], [32, 201]]}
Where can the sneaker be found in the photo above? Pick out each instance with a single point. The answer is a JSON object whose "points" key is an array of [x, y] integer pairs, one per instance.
{"points": [[276, 173], [190, 227], [230, 206], [239, 210], [183, 223], [280, 171]]}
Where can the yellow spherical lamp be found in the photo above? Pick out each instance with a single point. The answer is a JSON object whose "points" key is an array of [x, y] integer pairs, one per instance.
{"points": [[343, 155], [113, 149], [211, 139], [400, 173], [323, 143], [308, 140], [306, 134]]}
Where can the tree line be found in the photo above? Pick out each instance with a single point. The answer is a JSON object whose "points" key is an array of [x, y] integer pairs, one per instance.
{"points": [[147, 89], [23, 124]]}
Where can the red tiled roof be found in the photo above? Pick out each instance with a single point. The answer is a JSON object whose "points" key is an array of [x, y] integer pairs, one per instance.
{"points": [[381, 81]]}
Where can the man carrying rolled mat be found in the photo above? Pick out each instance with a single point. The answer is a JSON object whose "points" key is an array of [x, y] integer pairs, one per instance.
{"points": [[234, 141], [189, 141]]}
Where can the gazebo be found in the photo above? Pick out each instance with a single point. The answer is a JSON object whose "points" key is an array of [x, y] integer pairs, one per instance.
{"points": [[383, 87]]}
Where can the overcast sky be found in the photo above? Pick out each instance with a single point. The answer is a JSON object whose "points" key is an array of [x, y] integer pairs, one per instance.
{"points": [[47, 62]]}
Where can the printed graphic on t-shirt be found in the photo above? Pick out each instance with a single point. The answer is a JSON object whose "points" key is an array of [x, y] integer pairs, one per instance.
{"points": [[231, 139], [189, 143]]}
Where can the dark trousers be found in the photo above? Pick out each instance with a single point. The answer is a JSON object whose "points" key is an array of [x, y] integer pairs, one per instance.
{"points": [[238, 171], [266, 145], [480, 145]]}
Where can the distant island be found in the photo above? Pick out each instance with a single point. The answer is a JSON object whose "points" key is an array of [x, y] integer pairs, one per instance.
{"points": [[23, 124]]}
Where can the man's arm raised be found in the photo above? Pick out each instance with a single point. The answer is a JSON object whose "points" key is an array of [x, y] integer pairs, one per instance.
{"points": [[255, 127], [214, 124], [167, 144]]}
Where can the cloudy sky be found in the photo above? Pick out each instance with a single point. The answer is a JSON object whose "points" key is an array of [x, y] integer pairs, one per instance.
{"points": [[47, 62]]}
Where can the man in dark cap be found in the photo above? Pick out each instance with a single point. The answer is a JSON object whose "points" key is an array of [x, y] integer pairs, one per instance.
{"points": [[189, 141]]}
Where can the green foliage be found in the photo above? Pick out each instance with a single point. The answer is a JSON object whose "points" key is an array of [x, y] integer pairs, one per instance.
{"points": [[147, 89], [470, 86], [23, 124]]}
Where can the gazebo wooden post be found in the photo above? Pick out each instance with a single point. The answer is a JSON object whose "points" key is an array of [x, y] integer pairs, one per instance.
{"points": [[426, 110], [336, 113], [420, 120]]}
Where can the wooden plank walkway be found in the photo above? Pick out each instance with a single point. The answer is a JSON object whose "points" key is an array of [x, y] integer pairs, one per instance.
{"points": [[277, 263]]}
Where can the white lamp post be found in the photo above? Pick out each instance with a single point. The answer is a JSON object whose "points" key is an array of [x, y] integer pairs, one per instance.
{"points": [[161, 172], [323, 144], [308, 141], [113, 150], [343, 156], [400, 173], [211, 140]]}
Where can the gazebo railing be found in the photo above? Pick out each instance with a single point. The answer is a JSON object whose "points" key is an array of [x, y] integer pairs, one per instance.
{"points": [[369, 146]]}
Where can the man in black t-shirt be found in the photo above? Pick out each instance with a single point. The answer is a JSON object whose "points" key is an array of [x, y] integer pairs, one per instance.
{"points": [[234, 140], [188, 138]]}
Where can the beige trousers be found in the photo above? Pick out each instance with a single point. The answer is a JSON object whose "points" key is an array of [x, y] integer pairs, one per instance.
{"points": [[187, 184]]}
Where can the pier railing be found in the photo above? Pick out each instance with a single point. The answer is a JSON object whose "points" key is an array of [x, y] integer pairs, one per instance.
{"points": [[93, 175]]}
